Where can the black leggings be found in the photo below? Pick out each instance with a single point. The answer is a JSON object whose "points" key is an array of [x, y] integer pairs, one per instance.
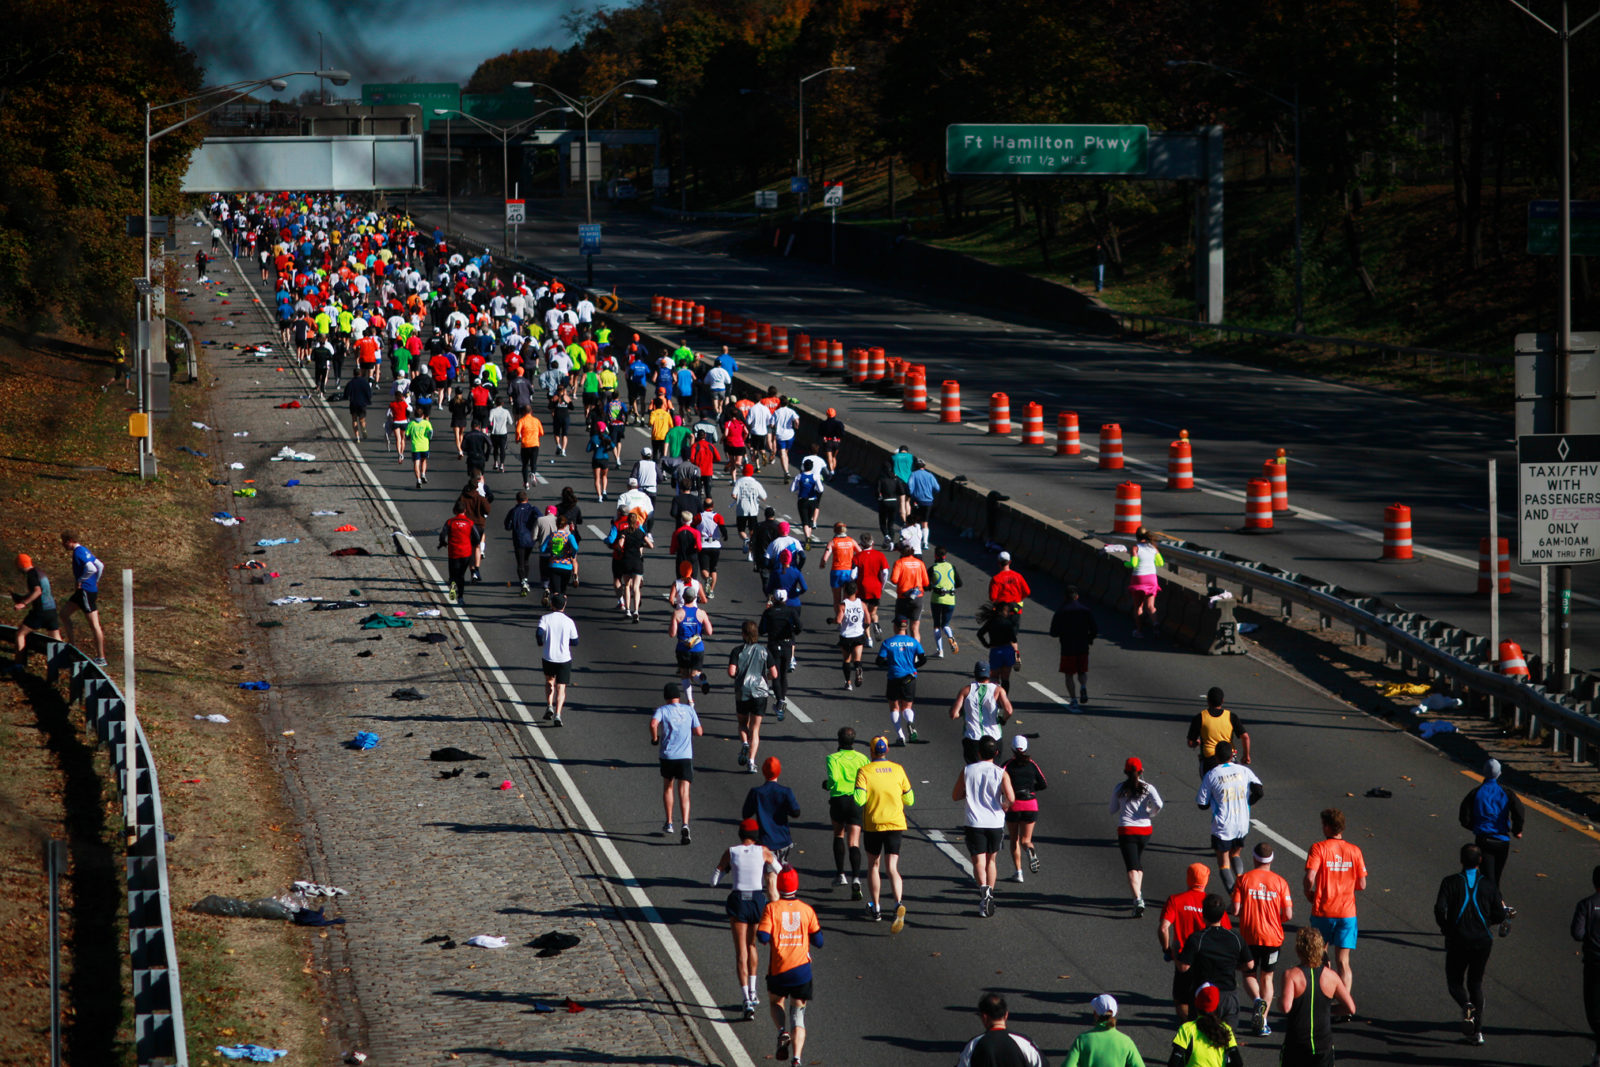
{"points": [[1132, 846], [523, 555], [780, 655], [1496, 851], [1464, 963], [530, 462], [498, 441], [1591, 999]]}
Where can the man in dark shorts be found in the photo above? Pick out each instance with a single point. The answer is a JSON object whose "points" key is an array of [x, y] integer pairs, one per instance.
{"points": [[86, 572], [673, 728], [780, 625], [1214, 955], [902, 654], [790, 927], [830, 435], [557, 633], [751, 668], [884, 792], [843, 811], [358, 394], [40, 607], [1075, 628]]}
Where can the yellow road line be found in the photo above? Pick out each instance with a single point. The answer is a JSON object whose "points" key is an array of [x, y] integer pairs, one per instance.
{"points": [[1564, 820]]}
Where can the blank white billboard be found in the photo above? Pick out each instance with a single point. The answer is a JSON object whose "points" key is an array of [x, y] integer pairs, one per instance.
{"points": [[312, 164]]}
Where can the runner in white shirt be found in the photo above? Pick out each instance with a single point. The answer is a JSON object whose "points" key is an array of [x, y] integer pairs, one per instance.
{"points": [[1229, 789], [987, 791], [983, 708], [851, 617], [760, 420], [585, 310], [784, 423], [912, 536], [712, 529], [556, 635], [747, 497]]}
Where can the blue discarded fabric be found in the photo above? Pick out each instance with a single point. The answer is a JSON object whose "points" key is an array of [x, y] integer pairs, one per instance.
{"points": [[192, 452], [257, 1053], [307, 917], [1436, 726], [255, 685], [292, 481], [365, 740], [269, 542]]}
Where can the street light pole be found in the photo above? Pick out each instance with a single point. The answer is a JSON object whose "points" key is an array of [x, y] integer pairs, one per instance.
{"points": [[449, 178], [683, 135], [239, 90], [1559, 680], [800, 155], [503, 134], [1294, 109]]}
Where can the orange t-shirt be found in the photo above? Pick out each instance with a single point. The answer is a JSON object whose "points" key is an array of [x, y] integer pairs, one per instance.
{"points": [[1261, 895], [909, 573], [791, 924], [530, 431], [842, 553], [367, 348], [1338, 866]]}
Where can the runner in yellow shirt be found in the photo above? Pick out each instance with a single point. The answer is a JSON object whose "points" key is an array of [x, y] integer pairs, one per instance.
{"points": [[884, 793]]}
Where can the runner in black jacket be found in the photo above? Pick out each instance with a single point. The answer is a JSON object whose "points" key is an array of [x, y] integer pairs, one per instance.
{"points": [[1467, 910]]}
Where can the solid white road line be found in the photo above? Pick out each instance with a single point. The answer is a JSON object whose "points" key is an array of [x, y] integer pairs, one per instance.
{"points": [[1048, 694], [700, 996], [797, 713], [943, 844], [592, 528], [1279, 838]]}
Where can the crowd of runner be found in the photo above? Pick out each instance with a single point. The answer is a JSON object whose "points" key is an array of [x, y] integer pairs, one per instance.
{"points": [[385, 316]]}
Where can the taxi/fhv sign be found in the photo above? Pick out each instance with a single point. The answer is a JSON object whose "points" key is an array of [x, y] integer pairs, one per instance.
{"points": [[1558, 498]]}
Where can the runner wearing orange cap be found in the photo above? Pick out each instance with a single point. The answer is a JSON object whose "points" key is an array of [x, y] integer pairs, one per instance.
{"points": [[830, 435], [1183, 915], [40, 605]]}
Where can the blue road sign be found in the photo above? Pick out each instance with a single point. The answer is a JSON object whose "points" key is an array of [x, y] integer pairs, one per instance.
{"points": [[589, 239]]}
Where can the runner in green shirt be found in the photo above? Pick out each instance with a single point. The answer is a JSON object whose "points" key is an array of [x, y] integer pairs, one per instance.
{"points": [[1105, 1045], [683, 355], [843, 810], [677, 443], [419, 438]]}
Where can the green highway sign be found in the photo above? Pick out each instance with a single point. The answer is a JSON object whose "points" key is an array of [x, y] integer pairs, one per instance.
{"points": [[429, 94], [1544, 222], [1017, 149]]}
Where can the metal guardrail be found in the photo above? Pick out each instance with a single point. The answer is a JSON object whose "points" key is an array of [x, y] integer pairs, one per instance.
{"points": [[159, 1039], [1440, 650], [1137, 321]]}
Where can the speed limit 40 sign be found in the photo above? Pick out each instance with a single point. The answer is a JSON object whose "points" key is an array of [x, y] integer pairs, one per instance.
{"points": [[834, 196], [516, 212]]}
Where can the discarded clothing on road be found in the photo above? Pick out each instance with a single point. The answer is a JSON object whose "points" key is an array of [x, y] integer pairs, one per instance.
{"points": [[273, 542], [452, 755], [263, 686], [554, 943], [255, 1053], [363, 740], [379, 621], [340, 605], [487, 941], [317, 889], [307, 917], [408, 693]]}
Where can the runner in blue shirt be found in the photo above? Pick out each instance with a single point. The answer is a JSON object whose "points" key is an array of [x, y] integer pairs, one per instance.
{"points": [[86, 571], [673, 727], [902, 654]]}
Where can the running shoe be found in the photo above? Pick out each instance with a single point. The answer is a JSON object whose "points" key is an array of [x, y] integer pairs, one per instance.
{"points": [[783, 709], [1138, 908], [1033, 859], [954, 647], [855, 889], [848, 686], [1265, 1031], [842, 880], [666, 829], [450, 593], [1505, 926], [744, 756], [783, 1046], [749, 1010], [914, 738], [1258, 1018], [874, 915], [750, 767], [99, 661], [1469, 1021], [1018, 876], [525, 589], [939, 652], [986, 903], [1475, 1039], [684, 838], [549, 712], [558, 722], [1072, 706], [1083, 694], [899, 919]]}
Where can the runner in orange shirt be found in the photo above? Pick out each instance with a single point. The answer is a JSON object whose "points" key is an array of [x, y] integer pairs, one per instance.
{"points": [[1262, 903], [367, 355], [530, 431], [909, 576], [1335, 869], [839, 560], [790, 926]]}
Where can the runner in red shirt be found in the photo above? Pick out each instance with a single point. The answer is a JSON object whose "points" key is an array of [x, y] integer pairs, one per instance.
{"points": [[1007, 586], [872, 567], [1180, 918]]}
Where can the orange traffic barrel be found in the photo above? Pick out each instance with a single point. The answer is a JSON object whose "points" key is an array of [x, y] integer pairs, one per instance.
{"points": [[1033, 424], [700, 316], [750, 333], [671, 311], [802, 348], [728, 331], [1110, 446], [916, 398], [656, 303], [1067, 443], [682, 316], [858, 365], [1276, 471], [950, 401], [714, 323], [875, 365], [1397, 534], [835, 357], [1258, 506], [1180, 465], [999, 413], [1511, 661], [897, 370], [1501, 565], [780, 341], [764, 337], [1130, 509]]}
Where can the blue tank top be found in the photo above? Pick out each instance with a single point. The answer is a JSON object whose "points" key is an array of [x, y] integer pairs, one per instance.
{"points": [[689, 632]]}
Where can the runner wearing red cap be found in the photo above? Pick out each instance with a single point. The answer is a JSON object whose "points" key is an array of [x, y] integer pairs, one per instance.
{"points": [[1135, 802], [791, 928], [1205, 1040], [754, 871]]}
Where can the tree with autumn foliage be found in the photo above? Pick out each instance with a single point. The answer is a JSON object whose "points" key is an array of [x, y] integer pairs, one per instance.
{"points": [[74, 78]]}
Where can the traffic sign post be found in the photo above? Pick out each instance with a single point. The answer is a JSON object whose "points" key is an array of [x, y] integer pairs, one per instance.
{"points": [[589, 246], [1047, 150], [834, 195], [1558, 499], [832, 199]]}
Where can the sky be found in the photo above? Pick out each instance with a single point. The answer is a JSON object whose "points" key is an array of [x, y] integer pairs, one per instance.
{"points": [[383, 41]]}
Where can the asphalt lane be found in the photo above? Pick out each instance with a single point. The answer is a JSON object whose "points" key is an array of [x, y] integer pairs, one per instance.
{"points": [[1067, 934], [1352, 451]]}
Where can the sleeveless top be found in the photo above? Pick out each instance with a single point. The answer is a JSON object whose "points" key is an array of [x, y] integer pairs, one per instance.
{"points": [[747, 867], [689, 639], [1308, 1026], [980, 715]]}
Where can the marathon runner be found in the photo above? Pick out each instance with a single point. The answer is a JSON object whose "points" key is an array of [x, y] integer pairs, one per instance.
{"points": [[884, 792]]}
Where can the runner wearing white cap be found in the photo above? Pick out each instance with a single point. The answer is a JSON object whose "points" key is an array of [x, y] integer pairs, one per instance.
{"points": [[1105, 1045]]}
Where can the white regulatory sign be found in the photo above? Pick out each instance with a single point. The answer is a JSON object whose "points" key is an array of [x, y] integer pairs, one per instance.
{"points": [[1558, 498], [516, 212], [834, 196]]}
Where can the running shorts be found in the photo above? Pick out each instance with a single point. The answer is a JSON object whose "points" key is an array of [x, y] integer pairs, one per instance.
{"points": [[844, 811], [561, 672], [877, 842]]}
